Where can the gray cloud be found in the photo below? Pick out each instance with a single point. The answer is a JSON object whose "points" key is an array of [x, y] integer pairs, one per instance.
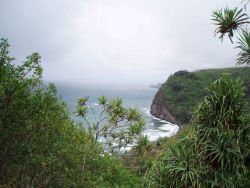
{"points": [[116, 41]]}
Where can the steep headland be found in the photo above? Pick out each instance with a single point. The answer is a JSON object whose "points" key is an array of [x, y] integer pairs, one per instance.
{"points": [[178, 97], [159, 108]]}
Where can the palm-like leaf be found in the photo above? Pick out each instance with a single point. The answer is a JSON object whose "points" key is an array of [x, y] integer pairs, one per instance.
{"points": [[182, 167], [229, 20], [244, 46]]}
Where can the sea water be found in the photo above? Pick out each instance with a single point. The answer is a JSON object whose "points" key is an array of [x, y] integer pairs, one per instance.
{"points": [[140, 98]]}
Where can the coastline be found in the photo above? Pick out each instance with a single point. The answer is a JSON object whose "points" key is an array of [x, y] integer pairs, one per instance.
{"points": [[160, 128]]}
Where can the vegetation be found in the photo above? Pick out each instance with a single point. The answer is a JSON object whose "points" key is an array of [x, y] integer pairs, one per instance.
{"points": [[234, 22], [216, 152], [184, 90], [116, 127], [228, 21], [40, 145], [140, 161]]}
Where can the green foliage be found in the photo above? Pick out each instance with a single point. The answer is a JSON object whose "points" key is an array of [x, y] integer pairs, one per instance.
{"points": [[224, 105], [215, 153], [229, 20], [223, 133], [116, 126], [244, 46], [114, 174], [179, 168], [140, 159], [40, 145], [183, 92], [234, 21], [143, 144]]}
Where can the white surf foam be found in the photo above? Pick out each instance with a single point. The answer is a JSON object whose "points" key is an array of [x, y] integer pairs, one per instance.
{"points": [[129, 147], [147, 112], [153, 134], [171, 128], [165, 129], [155, 118], [163, 121]]}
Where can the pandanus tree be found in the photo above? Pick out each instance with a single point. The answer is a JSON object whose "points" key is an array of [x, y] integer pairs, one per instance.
{"points": [[244, 46], [233, 22], [223, 134], [115, 126], [229, 21]]}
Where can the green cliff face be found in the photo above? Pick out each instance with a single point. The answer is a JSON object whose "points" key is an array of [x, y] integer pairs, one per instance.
{"points": [[183, 91]]}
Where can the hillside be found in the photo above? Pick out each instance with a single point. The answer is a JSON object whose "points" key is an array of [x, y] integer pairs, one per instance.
{"points": [[180, 94]]}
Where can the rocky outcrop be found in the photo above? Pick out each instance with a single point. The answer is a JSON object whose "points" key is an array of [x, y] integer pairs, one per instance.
{"points": [[159, 108]]}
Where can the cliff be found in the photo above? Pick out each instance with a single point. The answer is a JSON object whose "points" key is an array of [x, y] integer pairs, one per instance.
{"points": [[159, 108], [180, 95]]}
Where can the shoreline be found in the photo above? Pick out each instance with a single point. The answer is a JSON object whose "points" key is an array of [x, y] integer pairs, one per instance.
{"points": [[163, 129]]}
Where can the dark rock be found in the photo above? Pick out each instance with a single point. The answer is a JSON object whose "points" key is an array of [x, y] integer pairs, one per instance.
{"points": [[159, 108]]}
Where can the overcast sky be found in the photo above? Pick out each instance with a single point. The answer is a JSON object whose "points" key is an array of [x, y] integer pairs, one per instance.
{"points": [[116, 41]]}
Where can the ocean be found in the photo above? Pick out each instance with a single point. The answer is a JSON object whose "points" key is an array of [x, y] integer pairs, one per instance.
{"points": [[140, 98]]}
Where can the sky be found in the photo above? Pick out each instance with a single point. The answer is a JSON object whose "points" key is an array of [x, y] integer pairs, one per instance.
{"points": [[132, 42]]}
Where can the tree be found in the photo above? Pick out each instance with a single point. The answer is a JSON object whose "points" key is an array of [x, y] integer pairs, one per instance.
{"points": [[234, 22], [117, 127]]}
